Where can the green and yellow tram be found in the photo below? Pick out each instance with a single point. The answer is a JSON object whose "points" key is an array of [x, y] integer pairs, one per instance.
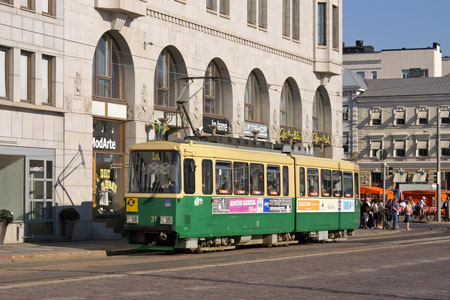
{"points": [[207, 196]]}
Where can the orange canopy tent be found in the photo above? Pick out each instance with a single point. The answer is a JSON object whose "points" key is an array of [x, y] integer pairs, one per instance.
{"points": [[376, 191], [429, 194]]}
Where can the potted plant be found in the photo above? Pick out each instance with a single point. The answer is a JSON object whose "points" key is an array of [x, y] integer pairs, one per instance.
{"points": [[69, 216], [6, 217]]}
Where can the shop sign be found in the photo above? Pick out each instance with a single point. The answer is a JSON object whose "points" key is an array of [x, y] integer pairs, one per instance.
{"points": [[287, 134], [320, 138], [106, 136], [222, 125], [249, 127], [103, 144]]}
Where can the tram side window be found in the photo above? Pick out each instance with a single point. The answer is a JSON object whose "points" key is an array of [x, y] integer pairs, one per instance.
{"points": [[207, 177], [256, 179], [337, 183], [356, 185], [348, 184], [313, 182], [240, 177], [326, 183], [223, 178], [285, 181], [302, 182], [189, 176], [273, 180]]}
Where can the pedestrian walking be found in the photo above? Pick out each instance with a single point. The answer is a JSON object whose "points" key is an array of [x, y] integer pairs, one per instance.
{"points": [[395, 213], [365, 208]]}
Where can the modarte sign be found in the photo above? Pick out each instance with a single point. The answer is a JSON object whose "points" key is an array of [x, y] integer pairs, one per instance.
{"points": [[103, 144], [106, 136]]}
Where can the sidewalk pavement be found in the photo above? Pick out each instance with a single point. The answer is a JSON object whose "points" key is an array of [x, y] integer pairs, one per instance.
{"points": [[63, 250], [103, 248]]}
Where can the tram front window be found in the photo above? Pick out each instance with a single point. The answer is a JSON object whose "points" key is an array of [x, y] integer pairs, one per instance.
{"points": [[155, 172]]}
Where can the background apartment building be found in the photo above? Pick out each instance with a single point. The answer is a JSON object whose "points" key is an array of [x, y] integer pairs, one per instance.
{"points": [[353, 85], [395, 63], [400, 116], [80, 81]]}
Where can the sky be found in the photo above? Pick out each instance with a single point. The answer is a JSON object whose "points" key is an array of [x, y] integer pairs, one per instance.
{"points": [[396, 24]]}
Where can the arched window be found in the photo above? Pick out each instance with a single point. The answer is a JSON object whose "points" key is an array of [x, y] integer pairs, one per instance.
{"points": [[109, 74], [287, 106], [167, 83], [318, 113], [253, 99], [213, 91]]}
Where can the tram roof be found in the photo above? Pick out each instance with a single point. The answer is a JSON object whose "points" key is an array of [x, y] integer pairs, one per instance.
{"points": [[238, 152]]}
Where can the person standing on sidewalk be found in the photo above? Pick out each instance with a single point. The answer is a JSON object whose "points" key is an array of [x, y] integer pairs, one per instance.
{"points": [[381, 214], [395, 213], [408, 214], [388, 214]]}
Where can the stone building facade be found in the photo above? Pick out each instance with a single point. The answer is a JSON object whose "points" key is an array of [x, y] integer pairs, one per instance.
{"points": [[400, 116], [80, 80]]}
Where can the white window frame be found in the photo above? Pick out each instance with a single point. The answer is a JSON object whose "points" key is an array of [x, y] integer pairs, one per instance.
{"points": [[372, 146], [345, 114], [5, 73], [397, 146], [375, 114], [399, 114], [346, 141], [445, 114], [445, 145], [419, 147], [422, 113]]}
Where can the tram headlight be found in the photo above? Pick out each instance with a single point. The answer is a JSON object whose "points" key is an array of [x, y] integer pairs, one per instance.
{"points": [[165, 221], [131, 219]]}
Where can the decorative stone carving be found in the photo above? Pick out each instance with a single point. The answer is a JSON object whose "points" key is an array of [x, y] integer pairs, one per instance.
{"points": [[88, 105], [131, 112], [77, 84], [68, 103], [238, 119], [196, 108], [275, 128], [144, 96]]}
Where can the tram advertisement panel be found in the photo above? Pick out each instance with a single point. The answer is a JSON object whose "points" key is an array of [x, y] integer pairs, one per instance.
{"points": [[223, 205], [325, 205]]}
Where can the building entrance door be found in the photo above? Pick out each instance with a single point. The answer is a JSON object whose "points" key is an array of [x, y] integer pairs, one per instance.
{"points": [[108, 186], [39, 198]]}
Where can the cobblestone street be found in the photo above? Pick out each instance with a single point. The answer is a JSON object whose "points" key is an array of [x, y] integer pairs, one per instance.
{"points": [[373, 265]]}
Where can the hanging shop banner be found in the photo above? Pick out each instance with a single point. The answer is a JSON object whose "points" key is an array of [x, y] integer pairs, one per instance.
{"points": [[251, 205], [106, 136], [223, 125], [249, 127]]}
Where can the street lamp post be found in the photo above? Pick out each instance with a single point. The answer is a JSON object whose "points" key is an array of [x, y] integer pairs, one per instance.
{"points": [[438, 162]]}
